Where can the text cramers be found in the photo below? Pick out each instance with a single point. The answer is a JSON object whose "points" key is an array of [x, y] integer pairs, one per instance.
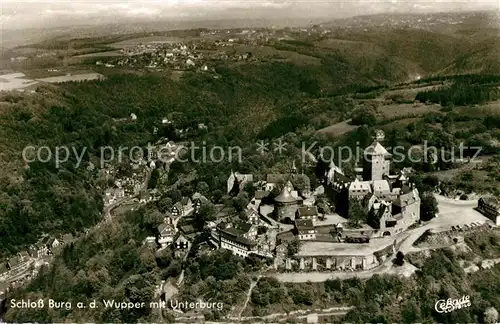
{"points": [[449, 305], [40, 303]]}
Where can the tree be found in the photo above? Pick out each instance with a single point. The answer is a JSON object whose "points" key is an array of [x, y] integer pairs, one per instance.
{"points": [[490, 315], [357, 215], [153, 179], [293, 247], [261, 230], [250, 189], [364, 116], [241, 201], [202, 187], [206, 214], [428, 207], [399, 258], [165, 203], [176, 195]]}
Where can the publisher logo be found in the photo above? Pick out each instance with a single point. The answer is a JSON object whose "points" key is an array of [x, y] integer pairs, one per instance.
{"points": [[449, 305]]}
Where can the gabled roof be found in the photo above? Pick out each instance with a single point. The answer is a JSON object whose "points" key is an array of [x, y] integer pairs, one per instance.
{"points": [[338, 178], [243, 227], [360, 185], [185, 201], [244, 177], [307, 211], [197, 196], [181, 239], [376, 149], [235, 235], [3, 268], [260, 194], [491, 201], [165, 228], [14, 261], [304, 225], [381, 185], [178, 205], [334, 168]]}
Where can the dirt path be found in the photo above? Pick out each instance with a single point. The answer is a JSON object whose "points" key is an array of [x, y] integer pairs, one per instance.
{"points": [[253, 284]]}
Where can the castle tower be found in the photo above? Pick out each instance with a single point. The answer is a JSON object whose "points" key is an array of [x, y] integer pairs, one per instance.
{"points": [[376, 160], [286, 205]]}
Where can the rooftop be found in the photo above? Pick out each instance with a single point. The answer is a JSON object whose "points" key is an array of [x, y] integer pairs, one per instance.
{"points": [[304, 224], [307, 211], [377, 149], [285, 196]]}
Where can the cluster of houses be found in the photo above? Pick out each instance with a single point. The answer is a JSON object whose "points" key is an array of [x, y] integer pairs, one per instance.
{"points": [[21, 265], [170, 233], [178, 56]]}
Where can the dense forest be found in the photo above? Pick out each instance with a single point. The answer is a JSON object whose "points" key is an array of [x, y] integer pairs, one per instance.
{"points": [[464, 90], [239, 107]]}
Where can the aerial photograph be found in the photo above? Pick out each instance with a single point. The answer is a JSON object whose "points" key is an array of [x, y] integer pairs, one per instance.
{"points": [[250, 161]]}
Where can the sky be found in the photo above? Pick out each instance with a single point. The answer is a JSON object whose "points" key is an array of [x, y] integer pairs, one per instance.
{"points": [[17, 14]]}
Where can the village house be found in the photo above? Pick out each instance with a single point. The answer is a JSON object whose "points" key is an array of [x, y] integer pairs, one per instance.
{"points": [[16, 264], [112, 195], [4, 271], [257, 199], [490, 207], [150, 240], [35, 252], [307, 212], [239, 238], [181, 243], [166, 234], [187, 205], [177, 209], [45, 246], [198, 200], [253, 216], [305, 229]]}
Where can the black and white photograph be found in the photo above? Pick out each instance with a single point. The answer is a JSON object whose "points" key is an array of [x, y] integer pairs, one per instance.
{"points": [[250, 161]]}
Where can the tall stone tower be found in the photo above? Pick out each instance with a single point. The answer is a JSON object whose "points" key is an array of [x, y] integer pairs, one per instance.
{"points": [[376, 160]]}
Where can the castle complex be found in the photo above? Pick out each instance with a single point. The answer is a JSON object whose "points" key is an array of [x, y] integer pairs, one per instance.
{"points": [[391, 202]]}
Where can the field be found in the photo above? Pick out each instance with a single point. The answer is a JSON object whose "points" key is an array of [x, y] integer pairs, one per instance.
{"points": [[338, 129], [69, 78], [16, 81], [146, 40], [100, 54], [268, 52], [401, 110]]}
